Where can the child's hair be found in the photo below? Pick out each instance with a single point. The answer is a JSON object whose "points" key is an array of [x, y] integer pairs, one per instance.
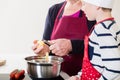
{"points": [[106, 9]]}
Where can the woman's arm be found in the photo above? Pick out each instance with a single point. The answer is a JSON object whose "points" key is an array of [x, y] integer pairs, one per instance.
{"points": [[77, 46]]}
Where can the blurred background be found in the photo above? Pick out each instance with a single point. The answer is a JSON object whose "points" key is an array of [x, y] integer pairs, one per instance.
{"points": [[22, 21]]}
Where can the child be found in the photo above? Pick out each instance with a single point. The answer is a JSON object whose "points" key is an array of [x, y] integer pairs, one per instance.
{"points": [[103, 60]]}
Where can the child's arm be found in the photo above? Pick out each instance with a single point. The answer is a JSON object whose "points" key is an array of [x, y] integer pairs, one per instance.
{"points": [[73, 78], [76, 77]]}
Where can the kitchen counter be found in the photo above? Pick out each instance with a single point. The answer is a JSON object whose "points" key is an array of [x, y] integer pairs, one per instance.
{"points": [[17, 61], [13, 61], [6, 77]]}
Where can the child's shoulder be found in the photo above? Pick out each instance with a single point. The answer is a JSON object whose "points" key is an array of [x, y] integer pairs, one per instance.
{"points": [[106, 24], [107, 27], [102, 27]]}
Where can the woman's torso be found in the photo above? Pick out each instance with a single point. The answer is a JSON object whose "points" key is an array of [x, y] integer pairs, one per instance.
{"points": [[70, 27]]}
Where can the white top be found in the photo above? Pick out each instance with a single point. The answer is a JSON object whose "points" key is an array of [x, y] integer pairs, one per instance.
{"points": [[104, 49]]}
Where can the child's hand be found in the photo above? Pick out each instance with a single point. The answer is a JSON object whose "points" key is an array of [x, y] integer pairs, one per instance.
{"points": [[73, 78]]}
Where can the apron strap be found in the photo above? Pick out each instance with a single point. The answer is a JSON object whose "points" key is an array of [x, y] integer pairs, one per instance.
{"points": [[60, 11], [86, 41]]}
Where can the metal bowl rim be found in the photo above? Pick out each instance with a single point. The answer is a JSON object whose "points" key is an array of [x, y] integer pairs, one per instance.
{"points": [[57, 59]]}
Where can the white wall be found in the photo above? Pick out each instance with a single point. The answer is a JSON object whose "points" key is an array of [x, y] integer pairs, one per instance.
{"points": [[116, 11], [22, 21]]}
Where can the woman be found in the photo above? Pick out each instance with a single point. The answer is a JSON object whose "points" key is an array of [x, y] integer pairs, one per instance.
{"points": [[65, 27]]}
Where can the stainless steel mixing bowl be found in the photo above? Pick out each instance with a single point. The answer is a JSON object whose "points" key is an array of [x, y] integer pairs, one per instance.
{"points": [[39, 67]]}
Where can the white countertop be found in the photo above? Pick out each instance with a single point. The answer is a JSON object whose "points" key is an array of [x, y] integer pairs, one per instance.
{"points": [[13, 61]]}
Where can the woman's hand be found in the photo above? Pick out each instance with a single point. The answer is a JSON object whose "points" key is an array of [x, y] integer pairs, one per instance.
{"points": [[40, 48], [73, 78], [60, 47]]}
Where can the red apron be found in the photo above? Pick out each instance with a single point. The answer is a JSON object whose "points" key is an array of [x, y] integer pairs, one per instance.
{"points": [[70, 28], [88, 71]]}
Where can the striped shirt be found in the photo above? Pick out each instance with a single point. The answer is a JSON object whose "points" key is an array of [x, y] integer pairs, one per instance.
{"points": [[104, 49]]}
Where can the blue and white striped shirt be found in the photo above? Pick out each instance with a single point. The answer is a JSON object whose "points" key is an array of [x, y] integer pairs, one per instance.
{"points": [[104, 49]]}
